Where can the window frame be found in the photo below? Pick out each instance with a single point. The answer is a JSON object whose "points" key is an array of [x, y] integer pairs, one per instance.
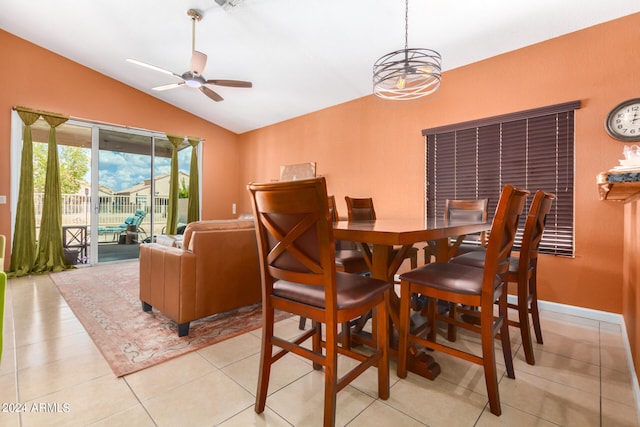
{"points": [[475, 159]]}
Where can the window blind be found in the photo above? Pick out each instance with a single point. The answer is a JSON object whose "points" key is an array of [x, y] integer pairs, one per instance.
{"points": [[531, 149]]}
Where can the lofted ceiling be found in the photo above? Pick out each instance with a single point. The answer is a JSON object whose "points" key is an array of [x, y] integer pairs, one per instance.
{"points": [[300, 55]]}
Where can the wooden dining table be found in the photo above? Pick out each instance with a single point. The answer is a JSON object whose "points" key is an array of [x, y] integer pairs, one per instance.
{"points": [[384, 243]]}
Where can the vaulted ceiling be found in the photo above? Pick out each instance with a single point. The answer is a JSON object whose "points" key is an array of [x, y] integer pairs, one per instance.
{"points": [[300, 55]]}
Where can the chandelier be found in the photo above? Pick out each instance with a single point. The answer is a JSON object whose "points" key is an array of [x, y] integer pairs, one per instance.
{"points": [[408, 73]]}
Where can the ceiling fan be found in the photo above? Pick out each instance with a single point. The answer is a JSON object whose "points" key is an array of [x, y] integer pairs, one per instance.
{"points": [[194, 78]]}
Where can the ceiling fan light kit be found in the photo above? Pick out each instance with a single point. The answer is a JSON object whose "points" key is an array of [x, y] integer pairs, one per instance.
{"points": [[407, 73], [194, 78]]}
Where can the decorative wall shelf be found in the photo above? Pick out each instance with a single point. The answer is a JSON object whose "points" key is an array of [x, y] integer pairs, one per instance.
{"points": [[619, 185]]}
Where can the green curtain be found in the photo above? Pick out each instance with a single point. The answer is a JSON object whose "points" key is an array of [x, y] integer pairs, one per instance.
{"points": [[172, 215], [194, 183], [24, 237], [50, 253]]}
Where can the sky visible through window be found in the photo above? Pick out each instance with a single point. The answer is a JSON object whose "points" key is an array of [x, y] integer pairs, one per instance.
{"points": [[120, 171]]}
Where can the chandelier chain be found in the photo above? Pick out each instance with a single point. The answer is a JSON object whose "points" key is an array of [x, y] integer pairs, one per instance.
{"points": [[406, 24]]}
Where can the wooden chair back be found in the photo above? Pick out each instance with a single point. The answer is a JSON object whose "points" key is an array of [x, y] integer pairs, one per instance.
{"points": [[533, 230], [360, 209], [501, 238], [331, 202], [295, 234], [474, 210]]}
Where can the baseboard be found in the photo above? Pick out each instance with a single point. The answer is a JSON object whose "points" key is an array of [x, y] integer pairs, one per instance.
{"points": [[601, 316]]}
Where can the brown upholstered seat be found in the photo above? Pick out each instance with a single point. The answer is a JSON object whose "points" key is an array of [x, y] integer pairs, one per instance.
{"points": [[523, 271], [297, 261], [472, 287]]}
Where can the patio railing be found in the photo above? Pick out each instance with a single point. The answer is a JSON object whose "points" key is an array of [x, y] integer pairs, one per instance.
{"points": [[76, 210]]}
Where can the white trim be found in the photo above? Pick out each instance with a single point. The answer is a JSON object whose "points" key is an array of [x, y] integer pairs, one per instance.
{"points": [[602, 316]]}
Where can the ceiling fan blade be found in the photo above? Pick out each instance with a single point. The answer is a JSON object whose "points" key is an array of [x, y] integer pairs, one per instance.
{"points": [[230, 83], [152, 67], [211, 94], [167, 87], [198, 62]]}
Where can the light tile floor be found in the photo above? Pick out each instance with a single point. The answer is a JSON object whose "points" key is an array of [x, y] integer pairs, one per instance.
{"points": [[53, 375]]}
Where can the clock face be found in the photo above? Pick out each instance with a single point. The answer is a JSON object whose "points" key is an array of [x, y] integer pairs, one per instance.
{"points": [[623, 122]]}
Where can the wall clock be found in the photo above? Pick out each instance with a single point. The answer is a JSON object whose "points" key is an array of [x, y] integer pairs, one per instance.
{"points": [[623, 122]]}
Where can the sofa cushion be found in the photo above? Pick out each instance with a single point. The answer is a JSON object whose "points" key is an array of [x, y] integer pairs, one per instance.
{"points": [[213, 224]]}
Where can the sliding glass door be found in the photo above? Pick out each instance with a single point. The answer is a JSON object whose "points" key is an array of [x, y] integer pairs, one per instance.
{"points": [[115, 187], [122, 204]]}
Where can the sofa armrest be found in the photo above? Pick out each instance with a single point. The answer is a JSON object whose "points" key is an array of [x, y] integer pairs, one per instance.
{"points": [[168, 280]]}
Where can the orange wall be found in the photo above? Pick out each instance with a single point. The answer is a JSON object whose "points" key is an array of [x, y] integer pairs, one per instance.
{"points": [[369, 147], [39, 79]]}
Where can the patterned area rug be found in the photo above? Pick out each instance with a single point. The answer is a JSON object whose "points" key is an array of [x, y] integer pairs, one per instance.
{"points": [[105, 300]]}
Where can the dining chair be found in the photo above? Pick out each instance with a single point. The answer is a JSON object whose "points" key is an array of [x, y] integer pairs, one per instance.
{"points": [[348, 258], [362, 209], [472, 209], [297, 261], [523, 271], [471, 287]]}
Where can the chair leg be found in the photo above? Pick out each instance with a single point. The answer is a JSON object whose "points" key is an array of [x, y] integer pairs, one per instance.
{"points": [[345, 336], [489, 362], [330, 375], [504, 334], [523, 319], [452, 331], [382, 328], [316, 342], [535, 313], [265, 358], [302, 323], [403, 329], [432, 316]]}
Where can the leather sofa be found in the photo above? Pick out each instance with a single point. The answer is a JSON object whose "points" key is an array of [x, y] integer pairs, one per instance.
{"points": [[215, 270]]}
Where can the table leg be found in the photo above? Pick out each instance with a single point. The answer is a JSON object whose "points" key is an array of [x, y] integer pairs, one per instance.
{"points": [[383, 267]]}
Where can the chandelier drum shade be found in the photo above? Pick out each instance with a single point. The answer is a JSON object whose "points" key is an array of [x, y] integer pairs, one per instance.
{"points": [[408, 73]]}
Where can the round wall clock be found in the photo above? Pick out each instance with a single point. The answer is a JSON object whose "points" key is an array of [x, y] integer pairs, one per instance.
{"points": [[623, 122]]}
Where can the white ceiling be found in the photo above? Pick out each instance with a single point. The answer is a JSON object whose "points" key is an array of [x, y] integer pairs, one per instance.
{"points": [[301, 55]]}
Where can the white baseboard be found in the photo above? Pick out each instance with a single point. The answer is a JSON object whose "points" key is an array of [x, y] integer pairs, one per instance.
{"points": [[602, 316]]}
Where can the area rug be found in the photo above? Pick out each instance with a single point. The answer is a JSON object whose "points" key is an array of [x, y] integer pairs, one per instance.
{"points": [[105, 300]]}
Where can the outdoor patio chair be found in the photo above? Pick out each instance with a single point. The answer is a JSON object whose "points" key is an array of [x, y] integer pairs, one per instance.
{"points": [[132, 221]]}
